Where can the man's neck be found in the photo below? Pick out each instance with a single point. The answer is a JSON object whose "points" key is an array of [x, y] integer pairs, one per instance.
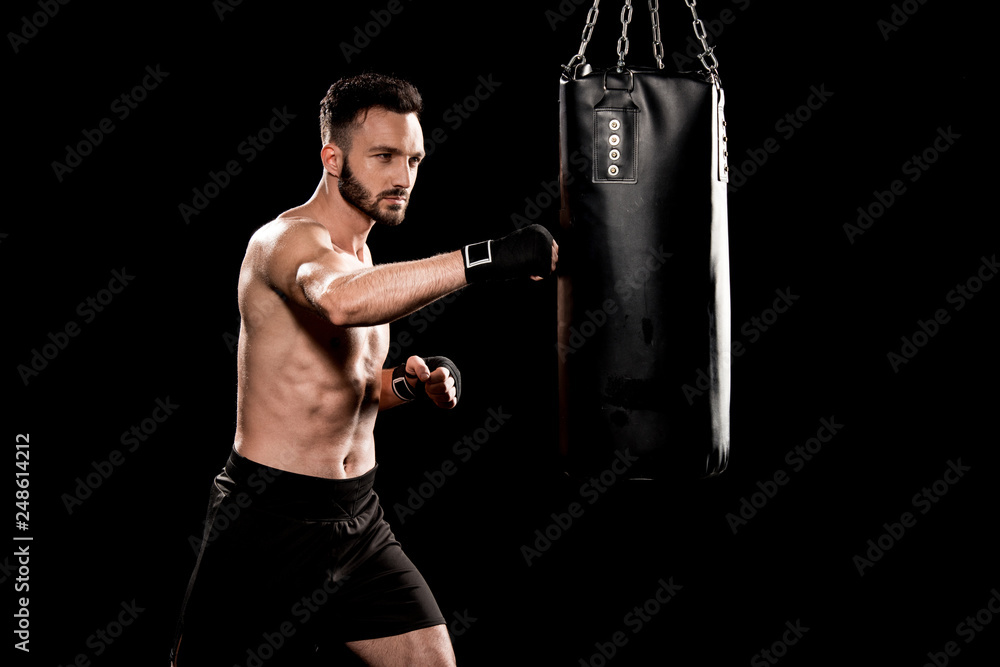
{"points": [[348, 226]]}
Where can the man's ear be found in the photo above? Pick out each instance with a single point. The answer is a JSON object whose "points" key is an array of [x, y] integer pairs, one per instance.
{"points": [[332, 158]]}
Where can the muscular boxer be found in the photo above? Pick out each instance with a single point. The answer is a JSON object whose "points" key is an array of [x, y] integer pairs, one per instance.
{"points": [[296, 555]]}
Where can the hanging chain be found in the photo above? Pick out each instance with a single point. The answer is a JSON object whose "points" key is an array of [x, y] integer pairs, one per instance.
{"points": [[588, 32], [623, 40], [654, 12], [707, 57]]}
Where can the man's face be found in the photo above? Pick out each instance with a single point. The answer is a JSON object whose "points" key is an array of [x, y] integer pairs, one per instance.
{"points": [[379, 175]]}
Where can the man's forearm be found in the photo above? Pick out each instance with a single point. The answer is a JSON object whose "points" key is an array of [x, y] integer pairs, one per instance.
{"points": [[384, 293]]}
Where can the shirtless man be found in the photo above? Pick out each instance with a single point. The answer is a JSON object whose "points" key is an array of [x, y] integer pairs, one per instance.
{"points": [[296, 556]]}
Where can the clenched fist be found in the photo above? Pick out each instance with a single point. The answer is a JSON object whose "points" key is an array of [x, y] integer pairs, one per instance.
{"points": [[435, 378]]}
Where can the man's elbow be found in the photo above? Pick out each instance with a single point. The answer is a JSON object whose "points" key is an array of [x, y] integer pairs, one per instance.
{"points": [[331, 304], [343, 312]]}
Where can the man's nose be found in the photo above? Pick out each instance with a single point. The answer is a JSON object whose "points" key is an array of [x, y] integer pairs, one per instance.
{"points": [[404, 175]]}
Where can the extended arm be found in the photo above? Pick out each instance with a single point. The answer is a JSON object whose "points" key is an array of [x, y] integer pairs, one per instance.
{"points": [[299, 259], [383, 293], [303, 263]]}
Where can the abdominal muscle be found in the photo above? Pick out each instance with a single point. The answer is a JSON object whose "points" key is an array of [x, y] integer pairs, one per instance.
{"points": [[307, 393]]}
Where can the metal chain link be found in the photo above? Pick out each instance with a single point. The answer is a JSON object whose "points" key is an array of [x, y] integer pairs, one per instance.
{"points": [[654, 13], [623, 40], [707, 57], [588, 32]]}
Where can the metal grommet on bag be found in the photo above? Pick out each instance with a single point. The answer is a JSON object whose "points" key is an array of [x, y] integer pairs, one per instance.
{"points": [[613, 170], [615, 124], [615, 154], [614, 140]]}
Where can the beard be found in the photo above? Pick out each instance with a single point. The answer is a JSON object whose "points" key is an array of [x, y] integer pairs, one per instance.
{"points": [[361, 198]]}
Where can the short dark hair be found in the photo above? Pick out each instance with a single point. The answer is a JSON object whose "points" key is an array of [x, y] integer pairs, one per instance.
{"points": [[349, 97]]}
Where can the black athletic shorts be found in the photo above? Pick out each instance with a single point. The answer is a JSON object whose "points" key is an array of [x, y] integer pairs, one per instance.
{"points": [[293, 566]]}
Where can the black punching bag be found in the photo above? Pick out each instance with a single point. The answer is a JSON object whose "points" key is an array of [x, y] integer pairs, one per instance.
{"points": [[643, 290]]}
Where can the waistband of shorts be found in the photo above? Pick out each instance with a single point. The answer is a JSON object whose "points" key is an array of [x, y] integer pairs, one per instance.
{"points": [[298, 495]]}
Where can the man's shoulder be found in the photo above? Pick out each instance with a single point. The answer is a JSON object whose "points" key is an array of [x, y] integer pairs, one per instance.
{"points": [[287, 239], [286, 228]]}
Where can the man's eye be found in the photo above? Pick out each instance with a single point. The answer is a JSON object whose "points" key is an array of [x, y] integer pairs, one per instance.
{"points": [[414, 161], [384, 156]]}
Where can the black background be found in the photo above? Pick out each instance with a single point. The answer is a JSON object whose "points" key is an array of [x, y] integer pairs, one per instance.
{"points": [[168, 333]]}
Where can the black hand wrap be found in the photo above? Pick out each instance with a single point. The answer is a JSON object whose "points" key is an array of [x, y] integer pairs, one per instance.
{"points": [[400, 386], [405, 392], [526, 252], [439, 362]]}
